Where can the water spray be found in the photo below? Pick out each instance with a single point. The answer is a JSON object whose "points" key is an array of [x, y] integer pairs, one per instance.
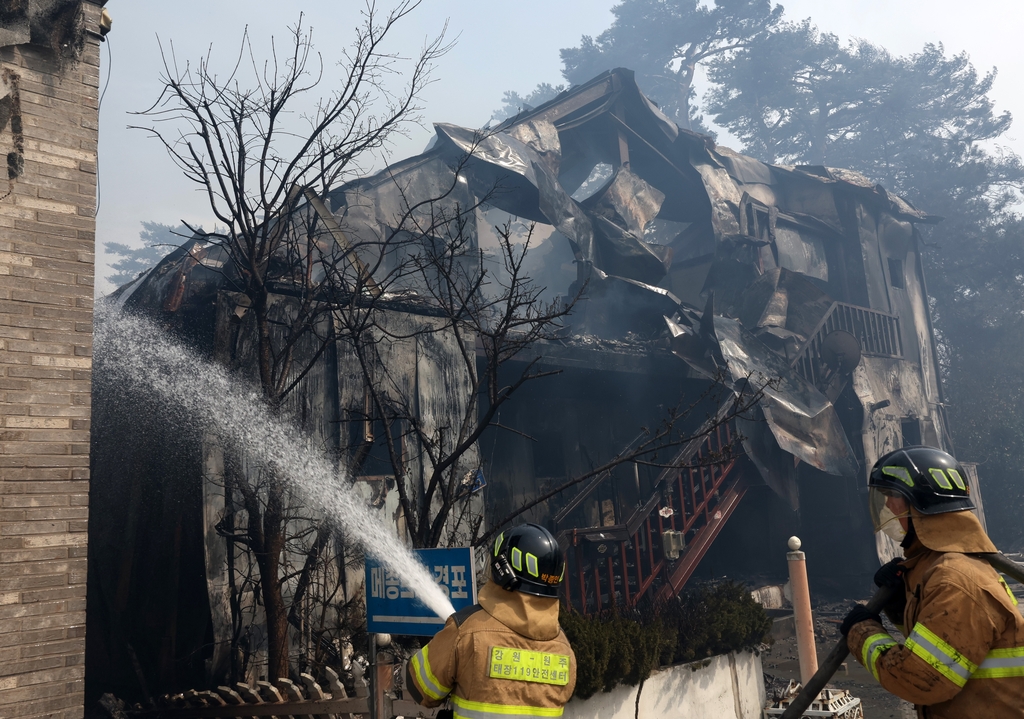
{"points": [[138, 352]]}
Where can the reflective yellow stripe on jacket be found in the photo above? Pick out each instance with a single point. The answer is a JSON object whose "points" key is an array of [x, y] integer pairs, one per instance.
{"points": [[428, 684], [947, 661], [465, 709], [872, 650], [1013, 597], [1001, 663], [942, 657]]}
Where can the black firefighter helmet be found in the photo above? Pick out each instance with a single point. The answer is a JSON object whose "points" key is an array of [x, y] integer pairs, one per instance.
{"points": [[931, 480], [528, 559]]}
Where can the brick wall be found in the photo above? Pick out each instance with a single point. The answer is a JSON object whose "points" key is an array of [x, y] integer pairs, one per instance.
{"points": [[47, 234]]}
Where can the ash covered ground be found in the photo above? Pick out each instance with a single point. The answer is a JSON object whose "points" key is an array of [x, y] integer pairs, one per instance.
{"points": [[781, 664]]}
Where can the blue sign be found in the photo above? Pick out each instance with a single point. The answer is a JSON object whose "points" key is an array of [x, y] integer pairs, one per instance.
{"points": [[393, 608], [472, 483]]}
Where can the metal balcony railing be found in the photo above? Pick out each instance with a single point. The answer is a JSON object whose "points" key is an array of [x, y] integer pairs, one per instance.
{"points": [[877, 332]]}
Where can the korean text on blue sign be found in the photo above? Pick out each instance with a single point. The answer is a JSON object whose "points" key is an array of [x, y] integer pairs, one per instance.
{"points": [[392, 607]]}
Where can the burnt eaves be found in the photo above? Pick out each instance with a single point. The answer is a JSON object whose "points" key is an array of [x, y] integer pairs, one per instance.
{"points": [[55, 24], [588, 352]]}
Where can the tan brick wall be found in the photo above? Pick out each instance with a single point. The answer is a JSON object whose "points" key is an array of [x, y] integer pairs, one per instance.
{"points": [[47, 238]]}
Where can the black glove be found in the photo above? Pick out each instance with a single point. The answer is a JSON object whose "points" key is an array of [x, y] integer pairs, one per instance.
{"points": [[858, 614], [444, 714], [891, 574]]}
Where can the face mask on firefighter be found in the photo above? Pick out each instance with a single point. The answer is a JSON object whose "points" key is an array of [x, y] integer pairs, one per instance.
{"points": [[887, 509]]}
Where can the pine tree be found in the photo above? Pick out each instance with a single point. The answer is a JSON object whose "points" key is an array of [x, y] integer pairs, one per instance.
{"points": [[158, 240]]}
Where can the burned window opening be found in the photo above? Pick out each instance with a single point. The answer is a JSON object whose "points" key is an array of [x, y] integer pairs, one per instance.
{"points": [[896, 277], [549, 456], [910, 430], [369, 455]]}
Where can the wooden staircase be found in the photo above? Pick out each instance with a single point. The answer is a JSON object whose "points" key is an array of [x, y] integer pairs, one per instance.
{"points": [[622, 565]]}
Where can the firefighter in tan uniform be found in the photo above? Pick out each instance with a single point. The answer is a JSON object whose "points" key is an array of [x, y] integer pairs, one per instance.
{"points": [[963, 657], [505, 657]]}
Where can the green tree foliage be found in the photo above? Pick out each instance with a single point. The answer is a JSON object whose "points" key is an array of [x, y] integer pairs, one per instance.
{"points": [[157, 241], [976, 280], [798, 95], [665, 41], [512, 103], [700, 623], [792, 94]]}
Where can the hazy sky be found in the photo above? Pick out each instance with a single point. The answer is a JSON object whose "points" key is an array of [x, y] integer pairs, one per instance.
{"points": [[500, 46]]}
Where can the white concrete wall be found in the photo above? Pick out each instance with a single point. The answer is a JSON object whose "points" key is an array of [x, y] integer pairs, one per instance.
{"points": [[728, 686]]}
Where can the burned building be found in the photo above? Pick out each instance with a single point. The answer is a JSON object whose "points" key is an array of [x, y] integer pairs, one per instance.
{"points": [[805, 279], [698, 278]]}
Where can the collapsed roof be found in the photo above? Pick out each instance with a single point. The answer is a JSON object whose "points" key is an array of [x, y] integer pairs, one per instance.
{"points": [[739, 262], [755, 274]]}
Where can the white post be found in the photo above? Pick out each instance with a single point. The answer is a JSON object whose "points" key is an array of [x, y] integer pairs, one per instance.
{"points": [[802, 610]]}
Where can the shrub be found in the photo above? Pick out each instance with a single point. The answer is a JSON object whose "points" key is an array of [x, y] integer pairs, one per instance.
{"points": [[614, 648], [589, 642], [715, 619]]}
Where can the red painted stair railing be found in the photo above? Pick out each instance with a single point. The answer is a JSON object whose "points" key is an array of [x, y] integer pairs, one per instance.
{"points": [[617, 566]]}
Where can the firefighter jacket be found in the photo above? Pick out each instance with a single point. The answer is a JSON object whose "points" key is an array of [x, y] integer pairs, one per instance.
{"points": [[505, 657], [964, 651]]}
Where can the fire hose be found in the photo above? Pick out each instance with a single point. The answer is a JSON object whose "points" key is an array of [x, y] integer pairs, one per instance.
{"points": [[830, 665]]}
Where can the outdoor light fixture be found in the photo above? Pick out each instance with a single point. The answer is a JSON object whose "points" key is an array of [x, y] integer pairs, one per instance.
{"points": [[672, 544]]}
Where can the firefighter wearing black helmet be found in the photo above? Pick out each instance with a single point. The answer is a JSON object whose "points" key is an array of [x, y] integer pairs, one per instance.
{"points": [[506, 656], [963, 655]]}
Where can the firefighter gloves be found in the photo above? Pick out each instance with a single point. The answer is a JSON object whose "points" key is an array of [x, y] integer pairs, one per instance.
{"points": [[891, 574], [858, 614]]}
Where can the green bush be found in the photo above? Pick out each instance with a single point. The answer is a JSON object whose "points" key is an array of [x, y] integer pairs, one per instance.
{"points": [[614, 649], [715, 619], [633, 648], [589, 643]]}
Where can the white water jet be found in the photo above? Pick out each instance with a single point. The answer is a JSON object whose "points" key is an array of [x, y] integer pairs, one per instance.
{"points": [[140, 353]]}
